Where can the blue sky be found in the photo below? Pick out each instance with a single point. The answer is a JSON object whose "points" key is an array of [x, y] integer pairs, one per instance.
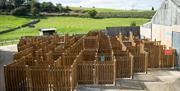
{"points": [[114, 4]]}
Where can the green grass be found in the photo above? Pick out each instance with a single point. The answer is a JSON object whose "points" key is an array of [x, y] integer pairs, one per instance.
{"points": [[83, 25], [7, 21], [106, 10], [18, 33], [72, 25]]}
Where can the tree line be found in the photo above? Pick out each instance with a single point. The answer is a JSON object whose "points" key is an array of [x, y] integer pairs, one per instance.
{"points": [[35, 8], [31, 7]]}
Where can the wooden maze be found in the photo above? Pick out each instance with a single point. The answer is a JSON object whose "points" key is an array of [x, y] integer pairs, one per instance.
{"points": [[60, 63]]}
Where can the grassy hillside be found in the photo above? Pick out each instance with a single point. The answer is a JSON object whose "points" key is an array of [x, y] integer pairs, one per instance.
{"points": [[72, 25], [106, 10], [113, 13], [7, 21]]}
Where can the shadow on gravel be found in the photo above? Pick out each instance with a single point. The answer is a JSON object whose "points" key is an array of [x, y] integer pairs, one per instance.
{"points": [[5, 58]]}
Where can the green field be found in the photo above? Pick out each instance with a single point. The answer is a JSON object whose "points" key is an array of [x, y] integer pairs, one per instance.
{"points": [[72, 25], [7, 21]]}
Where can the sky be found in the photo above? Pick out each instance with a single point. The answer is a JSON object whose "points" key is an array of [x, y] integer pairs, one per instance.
{"points": [[113, 4]]}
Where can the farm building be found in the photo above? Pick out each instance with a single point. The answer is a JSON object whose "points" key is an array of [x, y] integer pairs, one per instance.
{"points": [[124, 30], [47, 31], [165, 25]]}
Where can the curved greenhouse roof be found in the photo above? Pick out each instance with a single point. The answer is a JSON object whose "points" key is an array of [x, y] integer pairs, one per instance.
{"points": [[168, 14]]}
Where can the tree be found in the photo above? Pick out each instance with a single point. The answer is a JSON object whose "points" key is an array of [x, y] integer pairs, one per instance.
{"points": [[60, 7], [48, 7], [92, 13], [34, 10], [20, 11], [17, 3], [9, 6], [152, 9], [2, 4], [67, 9], [133, 23]]}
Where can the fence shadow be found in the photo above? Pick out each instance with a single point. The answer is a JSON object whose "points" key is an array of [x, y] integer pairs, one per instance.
{"points": [[5, 58]]}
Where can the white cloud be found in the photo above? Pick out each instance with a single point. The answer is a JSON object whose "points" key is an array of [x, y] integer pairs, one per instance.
{"points": [[115, 4], [121, 4]]}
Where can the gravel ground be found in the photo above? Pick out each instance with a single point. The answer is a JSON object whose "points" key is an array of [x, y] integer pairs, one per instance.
{"points": [[155, 80], [6, 55]]}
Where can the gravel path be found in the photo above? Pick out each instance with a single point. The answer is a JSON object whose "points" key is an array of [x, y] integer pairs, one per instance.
{"points": [[6, 55], [155, 80]]}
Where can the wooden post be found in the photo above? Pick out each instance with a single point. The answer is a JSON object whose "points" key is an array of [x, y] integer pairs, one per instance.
{"points": [[66, 38], [36, 63], [132, 66], [71, 78], [114, 71], [120, 38], [160, 56], [95, 74], [131, 37], [5, 77], [146, 62], [83, 43], [173, 59], [142, 47], [28, 75]]}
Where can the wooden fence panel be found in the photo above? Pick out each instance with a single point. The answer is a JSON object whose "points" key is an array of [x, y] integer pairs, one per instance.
{"points": [[124, 66], [107, 52], [39, 78], [15, 78], [74, 72], [105, 72], [88, 55], [90, 42], [25, 52], [61, 79], [85, 72], [68, 60], [154, 56], [59, 50], [58, 62], [140, 63], [53, 78], [120, 53], [168, 61], [104, 42]]}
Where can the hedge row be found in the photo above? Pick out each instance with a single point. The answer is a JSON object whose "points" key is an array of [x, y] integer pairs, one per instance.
{"points": [[130, 14], [18, 27], [144, 14]]}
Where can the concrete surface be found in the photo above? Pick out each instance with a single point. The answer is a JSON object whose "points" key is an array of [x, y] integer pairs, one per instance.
{"points": [[6, 55], [155, 80]]}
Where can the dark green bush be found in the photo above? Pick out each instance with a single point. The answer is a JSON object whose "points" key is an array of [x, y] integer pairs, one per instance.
{"points": [[20, 11], [133, 23], [92, 13]]}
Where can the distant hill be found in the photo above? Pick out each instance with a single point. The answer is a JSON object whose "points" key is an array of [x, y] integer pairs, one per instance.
{"points": [[112, 13], [108, 10]]}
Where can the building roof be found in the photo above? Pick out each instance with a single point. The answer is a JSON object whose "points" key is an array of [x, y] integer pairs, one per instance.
{"points": [[147, 25], [176, 3], [165, 17], [47, 29]]}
